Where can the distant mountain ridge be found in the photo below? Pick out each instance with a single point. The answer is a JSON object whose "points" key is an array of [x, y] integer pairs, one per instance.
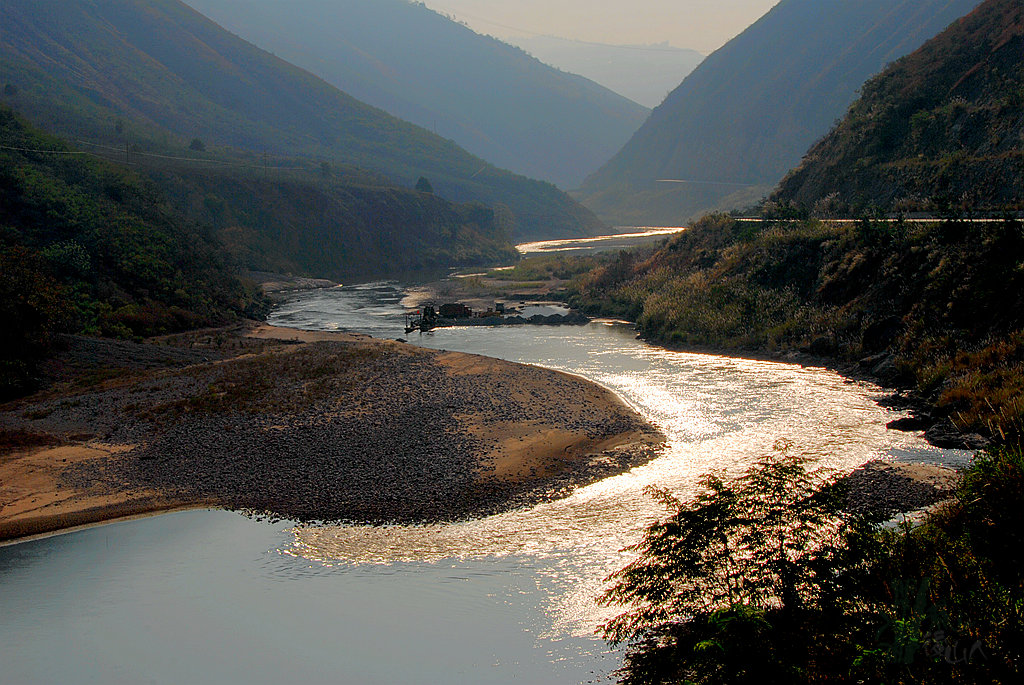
{"points": [[161, 72], [940, 129], [643, 73], [490, 97], [745, 116]]}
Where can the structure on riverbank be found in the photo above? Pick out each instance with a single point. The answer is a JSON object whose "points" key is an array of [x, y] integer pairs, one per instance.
{"points": [[428, 318]]}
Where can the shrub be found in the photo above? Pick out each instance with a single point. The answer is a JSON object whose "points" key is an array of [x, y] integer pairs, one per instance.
{"points": [[762, 580], [720, 586], [34, 309]]}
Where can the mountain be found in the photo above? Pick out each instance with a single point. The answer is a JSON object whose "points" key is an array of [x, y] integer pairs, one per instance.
{"points": [[89, 246], [489, 97], [745, 116], [162, 74], [643, 73], [940, 129]]}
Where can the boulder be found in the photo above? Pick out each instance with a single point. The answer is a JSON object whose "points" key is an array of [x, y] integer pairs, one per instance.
{"points": [[945, 434]]}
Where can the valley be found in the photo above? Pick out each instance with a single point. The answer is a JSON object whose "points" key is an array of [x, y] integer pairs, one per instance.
{"points": [[724, 391]]}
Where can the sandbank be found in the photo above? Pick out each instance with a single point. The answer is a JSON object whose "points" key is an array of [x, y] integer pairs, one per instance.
{"points": [[308, 425]]}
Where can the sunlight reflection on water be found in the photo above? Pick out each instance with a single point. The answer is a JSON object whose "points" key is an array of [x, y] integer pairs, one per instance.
{"points": [[638, 235], [210, 596], [719, 413]]}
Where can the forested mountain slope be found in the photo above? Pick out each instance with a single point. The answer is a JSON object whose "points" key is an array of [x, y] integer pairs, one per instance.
{"points": [[491, 98], [747, 114], [88, 246], [941, 129], [163, 74], [328, 227]]}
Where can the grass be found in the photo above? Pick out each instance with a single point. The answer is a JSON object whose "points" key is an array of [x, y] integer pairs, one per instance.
{"points": [[946, 300]]}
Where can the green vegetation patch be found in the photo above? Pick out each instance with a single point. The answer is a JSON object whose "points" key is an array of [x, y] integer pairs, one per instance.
{"points": [[86, 246]]}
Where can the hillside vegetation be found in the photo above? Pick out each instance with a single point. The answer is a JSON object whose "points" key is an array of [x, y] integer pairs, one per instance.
{"points": [[747, 114], [491, 98], [939, 130], [162, 75], [86, 246], [328, 227], [938, 307]]}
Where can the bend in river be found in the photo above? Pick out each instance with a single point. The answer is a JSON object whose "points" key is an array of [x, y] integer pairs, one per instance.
{"points": [[493, 600]]}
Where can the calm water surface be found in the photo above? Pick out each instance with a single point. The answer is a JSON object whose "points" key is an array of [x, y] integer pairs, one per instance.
{"points": [[215, 597]]}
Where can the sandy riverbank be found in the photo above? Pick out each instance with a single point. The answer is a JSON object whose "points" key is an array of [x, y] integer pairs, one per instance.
{"points": [[305, 425]]}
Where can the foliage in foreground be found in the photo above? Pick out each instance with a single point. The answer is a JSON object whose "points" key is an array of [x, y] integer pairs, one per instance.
{"points": [[763, 579]]}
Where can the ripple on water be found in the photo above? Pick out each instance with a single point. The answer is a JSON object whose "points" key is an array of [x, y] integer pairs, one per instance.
{"points": [[509, 598], [719, 413]]}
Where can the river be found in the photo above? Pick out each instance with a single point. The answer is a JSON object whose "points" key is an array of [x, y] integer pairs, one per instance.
{"points": [[211, 596]]}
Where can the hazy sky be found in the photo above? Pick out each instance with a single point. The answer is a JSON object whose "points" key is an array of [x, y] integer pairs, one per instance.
{"points": [[702, 25]]}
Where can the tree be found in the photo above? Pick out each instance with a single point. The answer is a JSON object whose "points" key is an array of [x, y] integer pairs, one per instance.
{"points": [[197, 145], [423, 185], [718, 586], [10, 90]]}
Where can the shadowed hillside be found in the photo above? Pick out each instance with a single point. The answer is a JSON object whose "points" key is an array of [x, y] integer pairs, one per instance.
{"points": [[490, 97], [166, 74], [751, 109], [327, 227], [941, 129], [87, 246]]}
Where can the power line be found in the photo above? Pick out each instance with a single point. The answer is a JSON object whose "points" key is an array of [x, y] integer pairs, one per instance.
{"points": [[218, 162], [153, 154], [137, 153]]}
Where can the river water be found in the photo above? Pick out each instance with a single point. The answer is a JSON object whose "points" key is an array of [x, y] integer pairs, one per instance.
{"points": [[215, 597]]}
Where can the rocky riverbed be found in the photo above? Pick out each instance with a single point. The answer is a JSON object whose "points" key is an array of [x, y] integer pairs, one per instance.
{"points": [[887, 489], [329, 427]]}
